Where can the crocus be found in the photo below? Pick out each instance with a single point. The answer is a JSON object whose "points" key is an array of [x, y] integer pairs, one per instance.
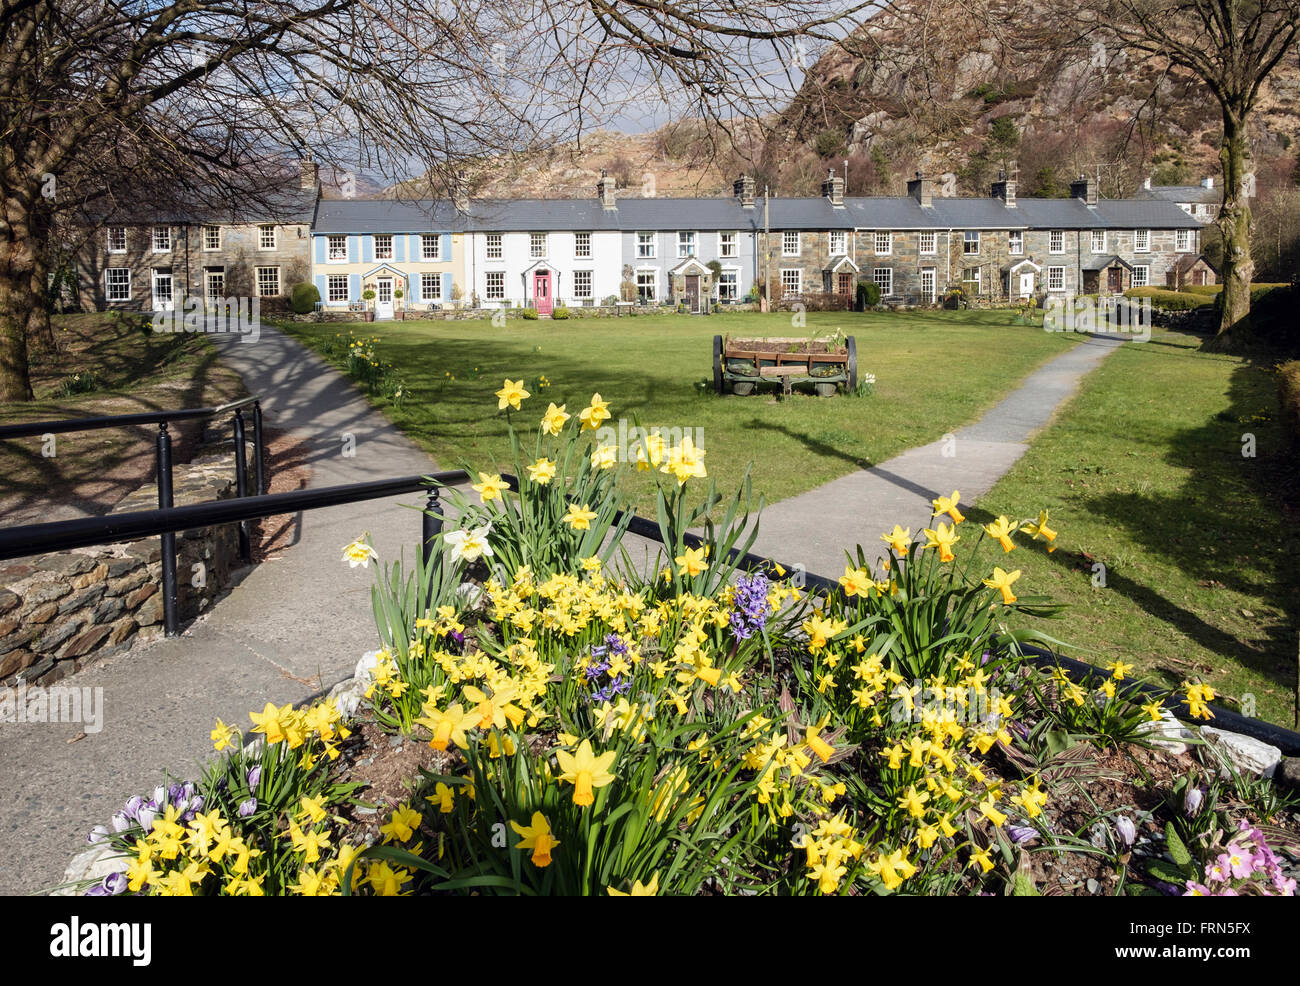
{"points": [[1126, 829]]}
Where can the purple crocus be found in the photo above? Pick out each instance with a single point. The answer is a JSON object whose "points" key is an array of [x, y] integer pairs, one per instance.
{"points": [[247, 807], [254, 775], [1126, 830]]}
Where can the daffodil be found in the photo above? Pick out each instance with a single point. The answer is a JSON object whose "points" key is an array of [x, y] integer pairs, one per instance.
{"points": [[223, 736], [899, 539], [1039, 529], [943, 537], [1001, 531], [856, 581], [594, 414], [511, 394], [639, 889], [948, 505], [1002, 582], [553, 420], [605, 457], [585, 771], [469, 545], [537, 837], [490, 487], [359, 553], [401, 825], [542, 471], [579, 518], [692, 563], [685, 461], [449, 726]]}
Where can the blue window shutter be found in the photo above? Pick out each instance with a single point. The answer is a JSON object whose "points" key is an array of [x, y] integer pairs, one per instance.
{"points": [[367, 248], [446, 247], [399, 248], [354, 248], [446, 286], [320, 249], [323, 287], [354, 287], [415, 288]]}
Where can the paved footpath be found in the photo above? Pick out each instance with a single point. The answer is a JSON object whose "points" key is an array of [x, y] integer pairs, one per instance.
{"points": [[815, 528], [294, 626]]}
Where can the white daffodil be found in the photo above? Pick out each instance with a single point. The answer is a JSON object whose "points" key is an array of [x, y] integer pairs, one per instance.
{"points": [[469, 545]]}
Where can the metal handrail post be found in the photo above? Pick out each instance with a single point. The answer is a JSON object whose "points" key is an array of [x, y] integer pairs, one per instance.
{"points": [[171, 618], [241, 484]]}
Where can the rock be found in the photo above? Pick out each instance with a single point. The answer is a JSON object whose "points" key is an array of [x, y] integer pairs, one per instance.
{"points": [[82, 597], [54, 638], [18, 637], [8, 600], [151, 612], [1287, 773], [1247, 754], [129, 580], [118, 567], [15, 661], [470, 595], [135, 598], [1167, 733], [90, 867], [122, 629], [67, 565], [43, 613], [85, 641], [44, 592], [96, 574], [367, 664]]}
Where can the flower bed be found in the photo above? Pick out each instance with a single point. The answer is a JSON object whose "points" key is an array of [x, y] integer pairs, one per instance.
{"points": [[543, 717]]}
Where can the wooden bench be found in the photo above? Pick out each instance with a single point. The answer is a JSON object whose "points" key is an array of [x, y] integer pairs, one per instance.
{"points": [[786, 375]]}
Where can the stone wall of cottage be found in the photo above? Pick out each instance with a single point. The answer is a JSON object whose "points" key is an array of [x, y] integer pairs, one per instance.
{"points": [[63, 610]]}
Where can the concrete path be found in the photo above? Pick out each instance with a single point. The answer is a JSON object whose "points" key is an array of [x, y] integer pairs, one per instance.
{"points": [[816, 528], [294, 626]]}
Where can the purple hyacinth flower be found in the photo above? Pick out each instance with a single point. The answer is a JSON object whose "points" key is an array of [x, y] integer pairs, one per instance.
{"points": [[247, 807]]}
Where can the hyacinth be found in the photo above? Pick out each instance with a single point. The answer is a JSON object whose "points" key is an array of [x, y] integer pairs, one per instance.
{"points": [[749, 615]]}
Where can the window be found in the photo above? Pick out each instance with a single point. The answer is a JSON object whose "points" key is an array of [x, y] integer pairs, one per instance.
{"points": [[211, 237], [494, 246], [1056, 279], [268, 281], [728, 286], [1098, 241], [970, 242], [647, 288], [117, 284], [383, 246], [1141, 240], [430, 246], [727, 245], [1183, 240], [685, 244], [582, 249], [645, 246], [214, 283], [884, 278], [117, 239], [582, 284], [792, 280], [338, 249], [839, 242], [496, 281], [1141, 276], [266, 237], [1056, 241], [790, 244], [536, 245], [929, 242], [1015, 242], [162, 239], [431, 285], [970, 280], [884, 242], [337, 287]]}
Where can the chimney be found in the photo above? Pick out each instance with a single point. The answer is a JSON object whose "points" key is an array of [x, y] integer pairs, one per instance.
{"points": [[833, 189], [605, 190], [1207, 183], [310, 172], [921, 188], [1084, 188], [743, 189], [460, 192], [1005, 189]]}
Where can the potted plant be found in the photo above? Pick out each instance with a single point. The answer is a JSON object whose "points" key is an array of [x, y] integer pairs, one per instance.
{"points": [[368, 295], [399, 312]]}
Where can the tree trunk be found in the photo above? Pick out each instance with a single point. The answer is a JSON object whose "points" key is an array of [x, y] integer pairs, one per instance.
{"points": [[1234, 223], [15, 311], [40, 333]]}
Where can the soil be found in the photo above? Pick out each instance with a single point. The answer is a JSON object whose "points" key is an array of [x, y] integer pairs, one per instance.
{"points": [[734, 346], [286, 463]]}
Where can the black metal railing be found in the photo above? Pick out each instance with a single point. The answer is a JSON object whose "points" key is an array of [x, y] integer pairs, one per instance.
{"points": [[163, 474], [167, 521]]}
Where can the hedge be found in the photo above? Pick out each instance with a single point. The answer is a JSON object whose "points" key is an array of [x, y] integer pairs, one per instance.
{"points": [[1174, 301], [304, 297]]}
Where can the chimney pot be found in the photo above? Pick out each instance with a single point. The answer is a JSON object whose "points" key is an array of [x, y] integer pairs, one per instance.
{"points": [[310, 172], [922, 189], [743, 189], [833, 189], [605, 190]]}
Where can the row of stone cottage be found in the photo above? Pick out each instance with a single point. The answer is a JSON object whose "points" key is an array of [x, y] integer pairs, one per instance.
{"points": [[462, 252]]}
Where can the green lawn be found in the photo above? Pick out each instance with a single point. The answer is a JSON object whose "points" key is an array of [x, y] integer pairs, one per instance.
{"points": [[935, 371], [1144, 474]]}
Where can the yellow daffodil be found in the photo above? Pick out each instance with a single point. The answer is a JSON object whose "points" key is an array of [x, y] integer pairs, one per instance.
{"points": [[1153, 709], [448, 726], [899, 539], [685, 461], [403, 823], [490, 487], [948, 505], [1039, 529], [1001, 531], [1118, 669], [943, 537], [579, 518], [511, 394], [585, 771], [537, 837], [856, 581], [223, 736], [542, 471], [553, 420], [605, 457], [1002, 582], [692, 563], [594, 414], [639, 889]]}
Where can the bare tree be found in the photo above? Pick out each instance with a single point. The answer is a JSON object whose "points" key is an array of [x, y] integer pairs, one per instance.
{"points": [[97, 95]]}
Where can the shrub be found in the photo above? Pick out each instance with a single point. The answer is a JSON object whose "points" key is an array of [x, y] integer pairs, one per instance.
{"points": [[560, 312], [1288, 394], [1173, 301], [529, 313], [304, 298], [868, 295]]}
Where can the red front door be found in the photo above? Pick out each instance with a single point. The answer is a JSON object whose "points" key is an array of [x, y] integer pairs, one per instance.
{"points": [[542, 292]]}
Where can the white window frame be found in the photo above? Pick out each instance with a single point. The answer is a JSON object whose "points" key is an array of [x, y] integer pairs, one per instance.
{"points": [[333, 281], [538, 244], [729, 278], [1056, 279], [578, 290], [797, 280], [258, 275], [207, 247], [645, 246], [1015, 242], [497, 291], [428, 255], [384, 246], [1141, 241], [208, 274], [109, 284], [1183, 240], [687, 240], [121, 232], [582, 247], [653, 274], [883, 242], [1095, 247], [161, 234], [966, 241], [883, 277], [1142, 279], [1056, 241], [838, 242], [431, 285], [332, 256], [492, 248], [933, 240], [791, 243], [729, 244], [977, 280], [262, 230]]}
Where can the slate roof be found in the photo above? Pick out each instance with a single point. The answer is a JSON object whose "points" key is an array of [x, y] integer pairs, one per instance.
{"points": [[1102, 264], [1182, 193]]}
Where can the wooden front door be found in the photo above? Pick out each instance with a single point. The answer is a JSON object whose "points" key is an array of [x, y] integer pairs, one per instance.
{"points": [[1115, 280], [542, 292], [384, 298], [693, 293], [844, 284]]}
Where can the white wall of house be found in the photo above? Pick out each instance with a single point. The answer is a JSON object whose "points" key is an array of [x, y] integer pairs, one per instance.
{"points": [[604, 264]]}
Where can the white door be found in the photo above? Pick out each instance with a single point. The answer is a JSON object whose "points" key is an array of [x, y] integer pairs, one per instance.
{"points": [[1027, 285], [163, 299], [384, 298], [927, 285]]}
